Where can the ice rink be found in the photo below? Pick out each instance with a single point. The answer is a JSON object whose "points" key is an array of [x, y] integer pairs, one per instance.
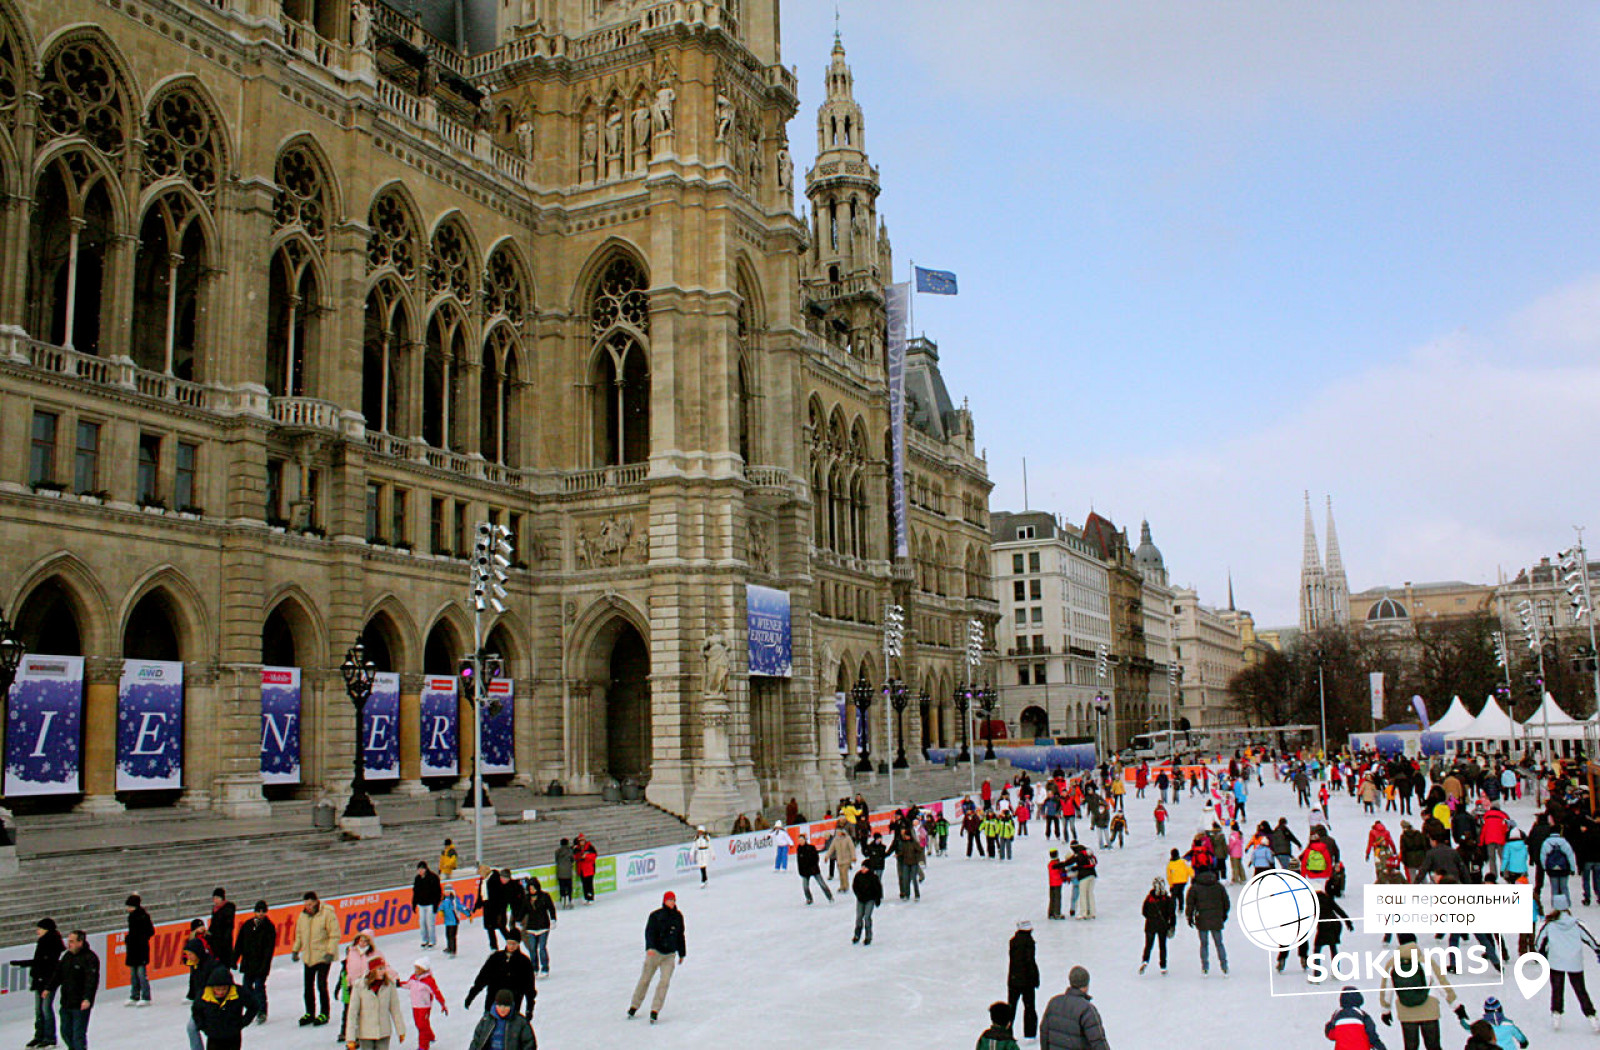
{"points": [[765, 970]]}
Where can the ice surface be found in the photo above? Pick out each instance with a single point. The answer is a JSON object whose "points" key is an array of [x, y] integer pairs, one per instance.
{"points": [[766, 970]]}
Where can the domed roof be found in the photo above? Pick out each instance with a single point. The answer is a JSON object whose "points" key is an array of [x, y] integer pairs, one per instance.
{"points": [[1148, 556], [1387, 609]]}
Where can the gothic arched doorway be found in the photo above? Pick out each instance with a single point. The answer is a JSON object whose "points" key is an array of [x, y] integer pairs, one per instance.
{"points": [[627, 699], [1035, 723]]}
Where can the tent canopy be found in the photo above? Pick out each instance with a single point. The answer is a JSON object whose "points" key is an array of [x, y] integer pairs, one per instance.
{"points": [[1458, 717], [1490, 724], [1551, 709]]}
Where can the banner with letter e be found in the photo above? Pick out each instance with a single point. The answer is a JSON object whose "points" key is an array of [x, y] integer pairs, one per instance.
{"points": [[380, 728], [150, 726], [44, 719]]}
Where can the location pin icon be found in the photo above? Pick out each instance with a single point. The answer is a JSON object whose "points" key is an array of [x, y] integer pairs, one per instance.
{"points": [[1533, 973]]}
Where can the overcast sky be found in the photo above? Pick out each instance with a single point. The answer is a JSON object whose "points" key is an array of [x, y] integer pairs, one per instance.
{"points": [[1215, 254]]}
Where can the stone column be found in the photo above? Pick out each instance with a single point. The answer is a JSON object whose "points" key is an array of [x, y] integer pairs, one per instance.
{"points": [[102, 675], [717, 797], [410, 729], [235, 778]]}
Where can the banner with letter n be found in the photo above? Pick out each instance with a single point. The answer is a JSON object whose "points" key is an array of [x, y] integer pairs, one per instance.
{"points": [[150, 726], [44, 719], [441, 727], [898, 298], [380, 728], [280, 725], [767, 626], [499, 754]]}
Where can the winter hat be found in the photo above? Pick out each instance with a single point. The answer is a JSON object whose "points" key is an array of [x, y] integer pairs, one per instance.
{"points": [[132, 901], [1024, 924], [1560, 902], [1053, 853], [219, 893], [504, 998], [1000, 1014], [260, 908], [1078, 977], [220, 977], [669, 897], [1493, 1012], [420, 963], [47, 924]]}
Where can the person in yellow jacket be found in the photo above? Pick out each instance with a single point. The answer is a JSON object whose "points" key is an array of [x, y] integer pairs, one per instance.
{"points": [[1007, 830], [991, 832], [316, 942], [1178, 876], [449, 860], [1118, 789]]}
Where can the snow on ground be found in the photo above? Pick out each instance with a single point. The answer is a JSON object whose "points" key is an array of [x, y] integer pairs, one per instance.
{"points": [[764, 969]]}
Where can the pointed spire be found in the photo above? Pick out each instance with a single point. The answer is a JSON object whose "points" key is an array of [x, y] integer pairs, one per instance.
{"points": [[1335, 563], [1230, 591], [1338, 587], [1312, 560]]}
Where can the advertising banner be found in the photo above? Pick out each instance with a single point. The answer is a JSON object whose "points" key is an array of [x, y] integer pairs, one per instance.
{"points": [[44, 719], [441, 727], [280, 725], [499, 752], [844, 742], [899, 300], [767, 623], [1375, 683], [150, 726], [380, 728]]}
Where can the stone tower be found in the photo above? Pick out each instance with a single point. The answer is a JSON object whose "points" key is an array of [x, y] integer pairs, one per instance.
{"points": [[1313, 581], [1337, 589]]}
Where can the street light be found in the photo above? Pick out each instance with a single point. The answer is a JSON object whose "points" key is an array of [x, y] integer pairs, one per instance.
{"points": [[987, 698], [925, 709], [359, 673], [10, 659], [1322, 705], [491, 556], [899, 698], [861, 695], [963, 701]]}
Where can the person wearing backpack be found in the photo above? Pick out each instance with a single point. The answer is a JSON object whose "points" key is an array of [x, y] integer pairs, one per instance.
{"points": [[1083, 865], [1316, 860], [1558, 861], [1350, 1027], [1564, 941], [1406, 991], [1207, 912]]}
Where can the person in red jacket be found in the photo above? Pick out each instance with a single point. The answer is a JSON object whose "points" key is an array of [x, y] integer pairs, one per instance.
{"points": [[1492, 835], [1316, 861], [1351, 1027], [1058, 876], [1378, 836], [584, 858]]}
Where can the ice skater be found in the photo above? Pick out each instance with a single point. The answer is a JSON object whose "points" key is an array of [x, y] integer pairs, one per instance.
{"points": [[665, 945]]}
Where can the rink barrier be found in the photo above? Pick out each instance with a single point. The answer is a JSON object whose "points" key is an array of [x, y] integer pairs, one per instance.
{"points": [[387, 911]]}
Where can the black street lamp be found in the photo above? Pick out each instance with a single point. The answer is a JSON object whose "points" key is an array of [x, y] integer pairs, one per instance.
{"points": [[987, 698], [899, 698], [861, 695], [358, 674], [10, 659], [925, 711], [963, 699]]}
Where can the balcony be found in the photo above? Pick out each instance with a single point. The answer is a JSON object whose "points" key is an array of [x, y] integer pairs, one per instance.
{"points": [[304, 413], [626, 476], [1029, 650], [117, 373]]}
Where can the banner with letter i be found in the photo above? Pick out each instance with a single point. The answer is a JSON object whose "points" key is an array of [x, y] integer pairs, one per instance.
{"points": [[280, 725], [44, 719], [441, 732], [150, 726], [380, 728]]}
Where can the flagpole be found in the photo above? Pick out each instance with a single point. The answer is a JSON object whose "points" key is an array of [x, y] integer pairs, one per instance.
{"points": [[911, 304]]}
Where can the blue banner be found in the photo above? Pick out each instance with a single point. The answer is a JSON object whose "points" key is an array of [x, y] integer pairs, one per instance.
{"points": [[898, 300], [150, 726], [861, 728], [441, 727], [280, 725], [844, 734], [499, 754], [380, 728], [935, 282], [767, 624], [44, 719]]}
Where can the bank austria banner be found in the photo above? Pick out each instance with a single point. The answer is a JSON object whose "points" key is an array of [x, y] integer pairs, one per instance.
{"points": [[150, 726], [44, 719], [767, 622], [280, 725], [380, 728], [441, 727], [499, 755]]}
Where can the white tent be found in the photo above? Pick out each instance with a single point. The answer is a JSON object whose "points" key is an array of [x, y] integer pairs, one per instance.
{"points": [[1551, 710], [1491, 723], [1458, 717]]}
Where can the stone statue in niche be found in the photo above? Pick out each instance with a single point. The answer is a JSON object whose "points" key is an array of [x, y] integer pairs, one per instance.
{"points": [[483, 117], [785, 168], [725, 115], [825, 667], [614, 133], [757, 168], [641, 128], [525, 139], [715, 653], [360, 25], [666, 98], [590, 144], [760, 547]]}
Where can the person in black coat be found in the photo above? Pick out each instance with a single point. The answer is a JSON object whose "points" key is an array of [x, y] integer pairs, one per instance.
{"points": [[1207, 907], [665, 945], [808, 862], [510, 970], [221, 1013], [493, 897], [42, 980], [426, 893], [868, 890], [221, 928], [875, 854], [79, 973], [541, 916], [1022, 978], [137, 949], [1160, 921], [254, 946]]}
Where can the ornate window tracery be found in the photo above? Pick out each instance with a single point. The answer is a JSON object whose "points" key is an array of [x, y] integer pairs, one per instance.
{"points": [[393, 241], [181, 143], [450, 263], [80, 94], [302, 198]]}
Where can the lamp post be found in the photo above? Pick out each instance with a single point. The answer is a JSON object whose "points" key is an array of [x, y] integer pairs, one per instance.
{"points": [[899, 699], [359, 673], [491, 555], [925, 710], [1322, 705], [894, 632], [861, 695], [11, 652], [987, 698]]}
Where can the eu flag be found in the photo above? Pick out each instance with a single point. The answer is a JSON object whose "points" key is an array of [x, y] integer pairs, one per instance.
{"points": [[936, 282]]}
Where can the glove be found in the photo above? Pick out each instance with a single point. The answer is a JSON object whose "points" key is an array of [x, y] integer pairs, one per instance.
{"points": [[1386, 1019], [294, 956], [468, 1004], [1461, 1011]]}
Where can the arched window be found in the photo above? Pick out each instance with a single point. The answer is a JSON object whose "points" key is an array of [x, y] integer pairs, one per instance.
{"points": [[293, 304], [168, 277], [619, 318], [302, 197], [68, 234], [81, 95], [504, 287], [385, 347], [443, 355], [13, 74], [181, 143], [451, 262], [393, 240], [498, 391]]}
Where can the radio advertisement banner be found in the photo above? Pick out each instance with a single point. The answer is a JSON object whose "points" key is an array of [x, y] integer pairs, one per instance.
{"points": [[150, 726], [380, 728], [280, 725], [499, 753], [44, 721], [767, 624], [441, 727]]}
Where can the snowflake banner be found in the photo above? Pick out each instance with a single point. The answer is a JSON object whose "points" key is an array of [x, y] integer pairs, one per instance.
{"points": [[499, 756], [44, 720], [150, 726], [441, 727], [280, 725], [767, 628], [380, 728]]}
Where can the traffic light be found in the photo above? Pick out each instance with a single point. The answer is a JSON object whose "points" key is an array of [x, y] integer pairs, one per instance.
{"points": [[1101, 662]]}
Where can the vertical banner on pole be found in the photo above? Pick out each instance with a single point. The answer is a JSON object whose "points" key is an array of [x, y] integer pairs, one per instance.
{"points": [[280, 725], [150, 726], [441, 727], [861, 728], [899, 297], [767, 625], [499, 756], [844, 733], [44, 719], [1375, 683], [380, 728]]}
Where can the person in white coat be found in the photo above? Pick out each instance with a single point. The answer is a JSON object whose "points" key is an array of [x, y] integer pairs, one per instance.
{"points": [[702, 853], [1564, 941], [375, 1015]]}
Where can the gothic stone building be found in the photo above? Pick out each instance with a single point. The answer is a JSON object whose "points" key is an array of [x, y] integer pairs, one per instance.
{"points": [[296, 293]]}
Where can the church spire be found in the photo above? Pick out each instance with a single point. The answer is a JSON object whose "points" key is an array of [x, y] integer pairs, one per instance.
{"points": [[1338, 588], [848, 238], [1313, 584], [1311, 562], [1230, 591]]}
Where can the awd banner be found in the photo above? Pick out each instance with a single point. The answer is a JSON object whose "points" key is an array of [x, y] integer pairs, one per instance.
{"points": [[441, 727], [767, 625], [280, 725], [43, 727], [499, 756], [150, 726], [380, 728]]}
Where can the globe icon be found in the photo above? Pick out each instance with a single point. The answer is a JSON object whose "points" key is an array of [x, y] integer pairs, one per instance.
{"points": [[1277, 910]]}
